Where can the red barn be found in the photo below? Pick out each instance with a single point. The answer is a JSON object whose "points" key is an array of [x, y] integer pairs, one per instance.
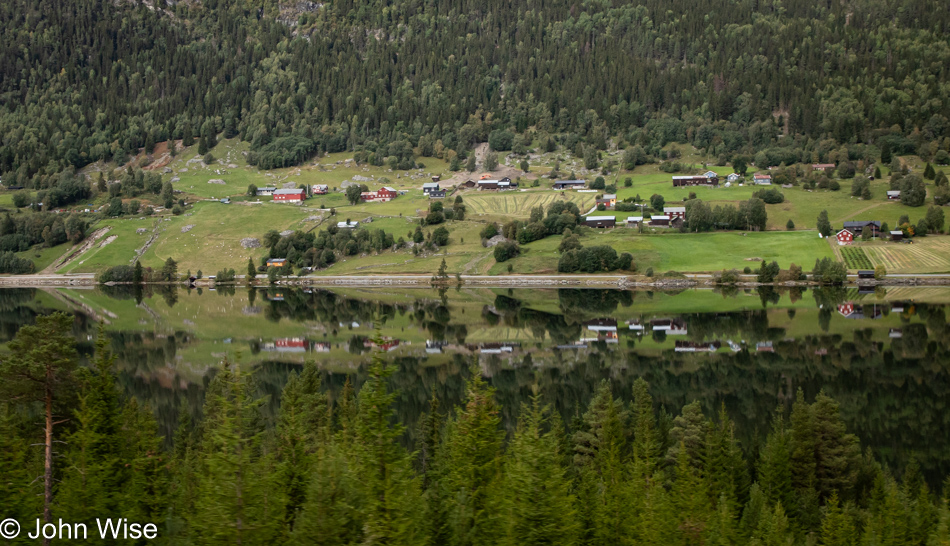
{"points": [[385, 194], [845, 237], [290, 196], [382, 195]]}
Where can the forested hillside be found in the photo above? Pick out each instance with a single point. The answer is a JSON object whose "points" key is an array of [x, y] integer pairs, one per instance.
{"points": [[90, 80]]}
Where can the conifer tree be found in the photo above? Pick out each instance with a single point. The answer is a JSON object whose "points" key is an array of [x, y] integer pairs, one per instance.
{"points": [[332, 513], [888, 518], [146, 494], [725, 471], [94, 472], [837, 529], [941, 532], [722, 530], [301, 425], [237, 500], [773, 528], [539, 506], [18, 500], [774, 465], [803, 462], [688, 432], [390, 491], [40, 369], [645, 442], [251, 271], [690, 502], [469, 467], [600, 461]]}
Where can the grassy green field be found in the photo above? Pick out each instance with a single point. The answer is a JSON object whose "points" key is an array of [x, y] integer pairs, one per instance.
{"points": [[801, 206], [230, 166], [683, 251], [214, 242]]}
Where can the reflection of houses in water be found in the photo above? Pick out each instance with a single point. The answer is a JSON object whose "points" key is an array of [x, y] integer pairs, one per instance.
{"points": [[606, 330], [287, 345], [388, 344], [672, 327], [697, 346], [764, 347], [435, 347], [602, 325], [853, 311], [902, 306], [494, 348]]}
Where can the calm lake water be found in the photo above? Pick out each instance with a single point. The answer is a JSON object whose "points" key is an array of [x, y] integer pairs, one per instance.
{"points": [[884, 355]]}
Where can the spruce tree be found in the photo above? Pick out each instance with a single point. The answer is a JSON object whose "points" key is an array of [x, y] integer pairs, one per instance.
{"points": [[146, 494], [600, 461], [237, 499], [645, 441], [18, 498], [301, 423], [837, 529], [95, 470], [390, 490], [725, 471], [539, 508], [774, 465], [333, 512], [469, 467], [690, 503]]}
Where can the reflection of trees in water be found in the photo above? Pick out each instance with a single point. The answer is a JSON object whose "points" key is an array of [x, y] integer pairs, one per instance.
{"points": [[892, 393]]}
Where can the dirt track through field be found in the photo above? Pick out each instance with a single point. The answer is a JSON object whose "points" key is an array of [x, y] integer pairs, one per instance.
{"points": [[72, 255]]}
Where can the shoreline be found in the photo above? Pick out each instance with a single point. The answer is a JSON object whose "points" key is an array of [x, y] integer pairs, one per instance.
{"points": [[690, 280]]}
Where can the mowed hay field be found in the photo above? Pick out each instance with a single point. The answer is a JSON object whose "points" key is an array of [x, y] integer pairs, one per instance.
{"points": [[926, 255], [519, 204], [690, 252]]}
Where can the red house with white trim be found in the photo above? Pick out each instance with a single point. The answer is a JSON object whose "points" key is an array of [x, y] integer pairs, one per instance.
{"points": [[382, 195], [845, 237], [290, 196]]}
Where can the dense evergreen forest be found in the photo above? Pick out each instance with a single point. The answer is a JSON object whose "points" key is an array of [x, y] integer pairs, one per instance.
{"points": [[95, 79], [332, 469]]}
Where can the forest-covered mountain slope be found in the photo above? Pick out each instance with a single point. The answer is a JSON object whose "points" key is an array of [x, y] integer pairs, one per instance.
{"points": [[89, 80]]}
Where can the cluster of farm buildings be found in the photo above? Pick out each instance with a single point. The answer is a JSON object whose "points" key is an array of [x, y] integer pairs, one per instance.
{"points": [[852, 230]]}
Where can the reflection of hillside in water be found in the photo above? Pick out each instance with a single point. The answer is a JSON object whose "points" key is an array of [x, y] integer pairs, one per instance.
{"points": [[886, 362]]}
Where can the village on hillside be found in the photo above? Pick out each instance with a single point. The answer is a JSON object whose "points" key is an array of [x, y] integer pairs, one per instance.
{"points": [[501, 220]]}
